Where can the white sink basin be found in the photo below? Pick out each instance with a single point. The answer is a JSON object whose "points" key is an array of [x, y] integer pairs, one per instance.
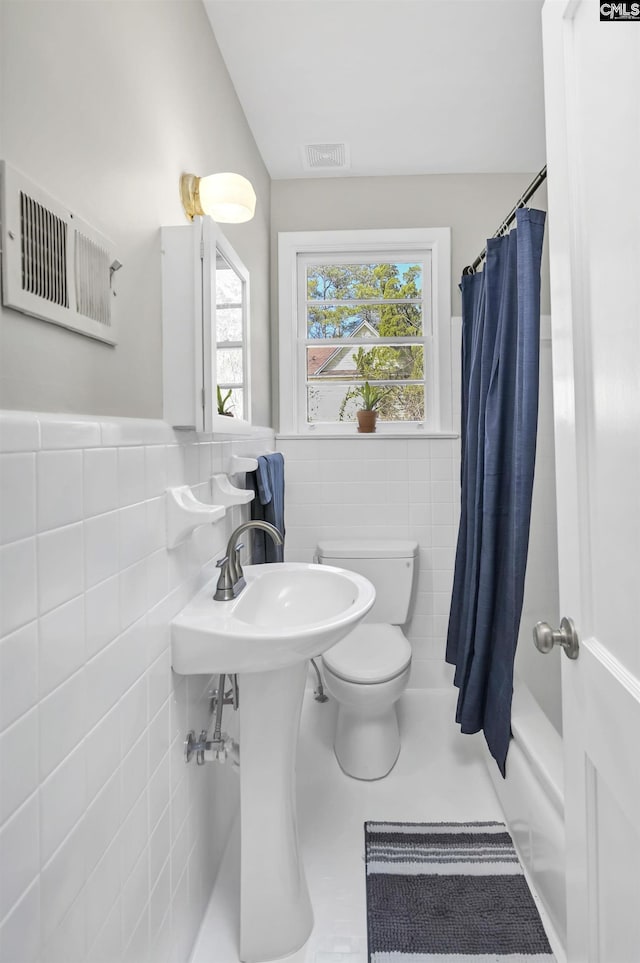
{"points": [[287, 613]]}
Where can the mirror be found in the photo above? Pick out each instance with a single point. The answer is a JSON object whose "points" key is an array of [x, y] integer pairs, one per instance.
{"points": [[231, 342]]}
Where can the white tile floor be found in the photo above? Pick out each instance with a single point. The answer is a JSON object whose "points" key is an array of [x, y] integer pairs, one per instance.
{"points": [[440, 775]]}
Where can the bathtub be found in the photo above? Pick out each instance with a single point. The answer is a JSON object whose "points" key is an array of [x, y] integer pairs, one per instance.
{"points": [[532, 799]]}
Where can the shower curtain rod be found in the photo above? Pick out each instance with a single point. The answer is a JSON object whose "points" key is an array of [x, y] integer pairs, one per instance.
{"points": [[530, 191]]}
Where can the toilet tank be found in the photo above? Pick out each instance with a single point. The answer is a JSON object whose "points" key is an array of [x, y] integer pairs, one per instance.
{"points": [[389, 563]]}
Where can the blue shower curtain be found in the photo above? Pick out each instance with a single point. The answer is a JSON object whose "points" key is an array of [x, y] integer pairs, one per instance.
{"points": [[500, 355]]}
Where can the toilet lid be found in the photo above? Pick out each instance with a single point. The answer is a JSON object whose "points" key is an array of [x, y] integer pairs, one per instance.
{"points": [[370, 653]]}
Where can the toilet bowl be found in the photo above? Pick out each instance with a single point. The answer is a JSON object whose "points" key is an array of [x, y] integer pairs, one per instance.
{"points": [[367, 672], [367, 738]]}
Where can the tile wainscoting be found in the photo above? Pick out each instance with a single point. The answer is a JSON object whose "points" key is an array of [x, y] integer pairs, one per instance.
{"points": [[109, 843]]}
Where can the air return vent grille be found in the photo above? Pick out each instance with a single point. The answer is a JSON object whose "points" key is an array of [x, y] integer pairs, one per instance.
{"points": [[54, 266], [43, 240], [326, 157], [92, 277]]}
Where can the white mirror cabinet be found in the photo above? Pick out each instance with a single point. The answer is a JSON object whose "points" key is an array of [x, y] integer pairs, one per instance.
{"points": [[205, 320]]}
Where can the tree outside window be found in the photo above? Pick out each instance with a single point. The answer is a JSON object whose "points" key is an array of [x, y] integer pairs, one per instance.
{"points": [[349, 306]]}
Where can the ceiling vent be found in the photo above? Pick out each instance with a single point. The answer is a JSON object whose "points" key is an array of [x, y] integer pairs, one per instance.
{"points": [[326, 157], [54, 266]]}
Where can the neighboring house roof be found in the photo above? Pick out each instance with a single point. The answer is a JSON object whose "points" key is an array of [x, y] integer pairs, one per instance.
{"points": [[317, 358], [338, 360]]}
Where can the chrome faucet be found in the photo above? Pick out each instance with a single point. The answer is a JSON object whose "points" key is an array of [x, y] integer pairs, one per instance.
{"points": [[231, 581]]}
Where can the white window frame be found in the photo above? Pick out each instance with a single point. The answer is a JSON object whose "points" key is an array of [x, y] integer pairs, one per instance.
{"points": [[382, 244]]}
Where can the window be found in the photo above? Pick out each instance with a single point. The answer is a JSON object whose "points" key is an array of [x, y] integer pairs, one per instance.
{"points": [[230, 335], [364, 307]]}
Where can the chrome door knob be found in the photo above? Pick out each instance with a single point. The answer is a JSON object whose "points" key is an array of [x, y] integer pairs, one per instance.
{"points": [[544, 638]]}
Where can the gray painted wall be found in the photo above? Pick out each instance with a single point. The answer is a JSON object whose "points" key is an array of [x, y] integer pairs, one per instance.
{"points": [[103, 105], [151, 98], [472, 205]]}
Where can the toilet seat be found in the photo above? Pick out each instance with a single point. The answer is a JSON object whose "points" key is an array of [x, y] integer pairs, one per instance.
{"points": [[371, 653]]}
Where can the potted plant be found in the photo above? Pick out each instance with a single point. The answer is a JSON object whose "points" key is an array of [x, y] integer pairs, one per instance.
{"points": [[370, 397], [222, 402]]}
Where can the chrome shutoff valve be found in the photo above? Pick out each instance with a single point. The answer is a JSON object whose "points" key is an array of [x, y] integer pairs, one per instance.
{"points": [[223, 750], [209, 750]]}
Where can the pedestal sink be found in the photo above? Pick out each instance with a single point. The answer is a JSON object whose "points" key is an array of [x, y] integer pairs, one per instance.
{"points": [[287, 613]]}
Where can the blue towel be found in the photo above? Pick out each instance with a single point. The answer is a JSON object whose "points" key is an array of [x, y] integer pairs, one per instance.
{"points": [[268, 506]]}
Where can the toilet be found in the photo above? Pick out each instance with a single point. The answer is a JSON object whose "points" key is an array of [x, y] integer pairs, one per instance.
{"points": [[368, 670]]}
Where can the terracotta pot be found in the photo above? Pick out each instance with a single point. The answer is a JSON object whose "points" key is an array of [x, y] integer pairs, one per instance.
{"points": [[366, 420]]}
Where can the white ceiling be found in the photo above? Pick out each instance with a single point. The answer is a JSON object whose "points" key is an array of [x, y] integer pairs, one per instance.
{"points": [[410, 86]]}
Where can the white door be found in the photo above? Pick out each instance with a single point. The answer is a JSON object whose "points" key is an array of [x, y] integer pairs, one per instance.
{"points": [[592, 93]]}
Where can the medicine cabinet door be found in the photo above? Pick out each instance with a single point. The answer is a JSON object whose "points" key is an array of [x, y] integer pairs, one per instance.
{"points": [[205, 325]]}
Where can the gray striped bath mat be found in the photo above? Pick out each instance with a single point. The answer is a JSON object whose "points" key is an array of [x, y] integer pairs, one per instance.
{"points": [[449, 893]]}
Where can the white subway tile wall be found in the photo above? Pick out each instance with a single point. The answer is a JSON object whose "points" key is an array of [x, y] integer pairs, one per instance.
{"points": [[374, 487], [109, 843]]}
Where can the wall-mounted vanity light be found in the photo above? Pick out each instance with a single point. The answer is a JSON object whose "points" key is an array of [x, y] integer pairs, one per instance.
{"points": [[227, 198]]}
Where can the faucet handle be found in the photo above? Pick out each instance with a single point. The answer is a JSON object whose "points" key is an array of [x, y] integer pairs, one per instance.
{"points": [[224, 588]]}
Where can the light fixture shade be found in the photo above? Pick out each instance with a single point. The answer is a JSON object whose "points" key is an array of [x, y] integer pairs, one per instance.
{"points": [[228, 198]]}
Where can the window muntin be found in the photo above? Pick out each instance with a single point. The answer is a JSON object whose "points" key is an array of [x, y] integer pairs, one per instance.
{"points": [[364, 318]]}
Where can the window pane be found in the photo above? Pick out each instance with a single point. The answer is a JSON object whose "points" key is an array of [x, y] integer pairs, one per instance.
{"points": [[229, 364], [375, 281], [339, 402], [228, 284], [228, 324], [364, 321], [356, 363]]}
